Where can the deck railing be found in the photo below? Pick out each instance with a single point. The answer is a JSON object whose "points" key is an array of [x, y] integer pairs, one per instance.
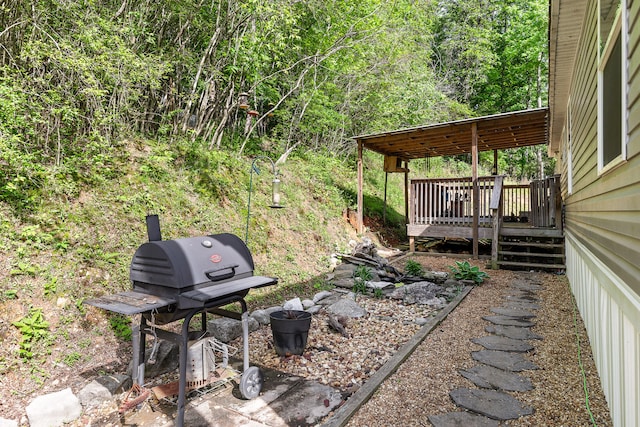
{"points": [[546, 200], [449, 201], [516, 203]]}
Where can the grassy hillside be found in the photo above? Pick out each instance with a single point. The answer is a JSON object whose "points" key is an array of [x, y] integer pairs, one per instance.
{"points": [[74, 240]]}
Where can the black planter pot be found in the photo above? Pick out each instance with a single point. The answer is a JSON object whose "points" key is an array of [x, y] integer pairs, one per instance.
{"points": [[290, 331]]}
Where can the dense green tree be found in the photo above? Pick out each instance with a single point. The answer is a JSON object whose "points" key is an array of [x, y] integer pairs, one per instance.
{"points": [[77, 78], [491, 55]]}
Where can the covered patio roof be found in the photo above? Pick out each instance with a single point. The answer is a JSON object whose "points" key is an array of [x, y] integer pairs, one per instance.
{"points": [[495, 132]]}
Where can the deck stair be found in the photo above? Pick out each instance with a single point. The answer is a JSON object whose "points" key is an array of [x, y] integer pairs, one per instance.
{"points": [[531, 252]]}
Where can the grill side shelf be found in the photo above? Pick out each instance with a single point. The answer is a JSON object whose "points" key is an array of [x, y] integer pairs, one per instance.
{"points": [[130, 302], [222, 289]]}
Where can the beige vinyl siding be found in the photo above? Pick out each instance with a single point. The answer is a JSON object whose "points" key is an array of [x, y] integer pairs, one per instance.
{"points": [[612, 318], [584, 108], [603, 212], [603, 222]]}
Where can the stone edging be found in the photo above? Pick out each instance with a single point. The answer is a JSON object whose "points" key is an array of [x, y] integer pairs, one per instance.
{"points": [[342, 415]]}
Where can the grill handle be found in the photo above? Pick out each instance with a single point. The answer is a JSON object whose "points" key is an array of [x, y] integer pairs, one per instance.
{"points": [[221, 273]]}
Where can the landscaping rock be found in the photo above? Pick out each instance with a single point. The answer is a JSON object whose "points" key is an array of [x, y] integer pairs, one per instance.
{"points": [[93, 395], [343, 283], [315, 309], [307, 303], [380, 285], [261, 316], [439, 277], [293, 304], [347, 307], [166, 360], [54, 409], [116, 383], [226, 330], [417, 293], [321, 295]]}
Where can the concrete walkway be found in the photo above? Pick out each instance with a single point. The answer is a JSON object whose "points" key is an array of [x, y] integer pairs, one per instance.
{"points": [[285, 401]]}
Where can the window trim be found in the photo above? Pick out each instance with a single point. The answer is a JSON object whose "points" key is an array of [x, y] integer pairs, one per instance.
{"points": [[619, 27]]}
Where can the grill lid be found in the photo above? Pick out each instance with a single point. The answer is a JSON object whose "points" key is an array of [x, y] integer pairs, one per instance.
{"points": [[189, 262]]}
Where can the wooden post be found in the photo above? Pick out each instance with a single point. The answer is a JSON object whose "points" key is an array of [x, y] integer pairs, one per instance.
{"points": [[360, 185], [406, 192], [476, 193], [495, 162], [496, 214], [384, 204]]}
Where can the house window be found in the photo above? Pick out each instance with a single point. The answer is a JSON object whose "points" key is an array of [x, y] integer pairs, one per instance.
{"points": [[611, 85]]}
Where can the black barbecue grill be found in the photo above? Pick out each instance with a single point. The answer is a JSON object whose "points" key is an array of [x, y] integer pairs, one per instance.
{"points": [[177, 279]]}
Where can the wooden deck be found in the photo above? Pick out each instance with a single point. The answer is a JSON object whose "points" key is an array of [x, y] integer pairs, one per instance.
{"points": [[523, 216]]}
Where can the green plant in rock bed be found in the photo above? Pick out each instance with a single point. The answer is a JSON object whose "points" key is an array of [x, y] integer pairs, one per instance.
{"points": [[377, 293], [359, 287], [33, 328], [465, 271], [361, 275], [414, 268]]}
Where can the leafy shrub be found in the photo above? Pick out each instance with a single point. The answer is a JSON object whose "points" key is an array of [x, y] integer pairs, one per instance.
{"points": [[414, 268], [465, 271]]}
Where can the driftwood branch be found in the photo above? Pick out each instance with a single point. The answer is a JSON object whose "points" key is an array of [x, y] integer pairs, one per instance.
{"points": [[338, 324]]}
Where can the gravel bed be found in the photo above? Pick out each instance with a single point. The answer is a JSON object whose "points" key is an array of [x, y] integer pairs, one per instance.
{"points": [[338, 361], [421, 385]]}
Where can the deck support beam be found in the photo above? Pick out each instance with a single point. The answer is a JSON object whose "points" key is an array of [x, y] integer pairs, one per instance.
{"points": [[476, 193], [360, 200]]}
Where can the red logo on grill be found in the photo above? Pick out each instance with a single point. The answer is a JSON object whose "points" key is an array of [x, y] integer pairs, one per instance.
{"points": [[215, 258]]}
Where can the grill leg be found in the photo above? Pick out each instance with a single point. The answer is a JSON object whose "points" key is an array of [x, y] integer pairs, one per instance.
{"points": [[182, 381], [245, 335], [138, 342]]}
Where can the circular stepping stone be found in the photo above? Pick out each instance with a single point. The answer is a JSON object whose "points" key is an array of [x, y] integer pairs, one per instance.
{"points": [[493, 404], [513, 312], [508, 321], [486, 376], [514, 362], [495, 342], [462, 419], [515, 332]]}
